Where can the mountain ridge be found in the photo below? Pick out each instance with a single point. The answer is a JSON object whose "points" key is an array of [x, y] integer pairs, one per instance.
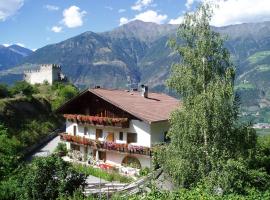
{"points": [[137, 52]]}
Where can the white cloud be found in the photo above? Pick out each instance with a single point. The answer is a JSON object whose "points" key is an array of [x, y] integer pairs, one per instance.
{"points": [[56, 29], [123, 20], [228, 12], [109, 7], [189, 3], [151, 16], [240, 11], [147, 16], [73, 17], [34, 49], [51, 7], [9, 8], [121, 10], [177, 20], [140, 4]]}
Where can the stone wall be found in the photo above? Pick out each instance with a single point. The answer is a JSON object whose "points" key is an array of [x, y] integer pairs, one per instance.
{"points": [[46, 73]]}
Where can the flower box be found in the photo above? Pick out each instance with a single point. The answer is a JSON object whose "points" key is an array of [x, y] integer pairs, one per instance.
{"points": [[95, 120]]}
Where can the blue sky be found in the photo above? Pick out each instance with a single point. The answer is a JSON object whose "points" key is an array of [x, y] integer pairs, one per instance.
{"points": [[36, 23]]}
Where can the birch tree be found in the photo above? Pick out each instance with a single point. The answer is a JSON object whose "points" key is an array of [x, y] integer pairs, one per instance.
{"points": [[204, 130]]}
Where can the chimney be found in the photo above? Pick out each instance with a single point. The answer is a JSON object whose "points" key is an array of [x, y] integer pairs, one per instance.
{"points": [[144, 91]]}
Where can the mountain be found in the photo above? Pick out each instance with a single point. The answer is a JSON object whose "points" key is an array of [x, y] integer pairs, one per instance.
{"points": [[12, 55], [137, 53]]}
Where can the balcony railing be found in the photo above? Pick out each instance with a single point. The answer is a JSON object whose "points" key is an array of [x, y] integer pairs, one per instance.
{"points": [[94, 120], [106, 145]]}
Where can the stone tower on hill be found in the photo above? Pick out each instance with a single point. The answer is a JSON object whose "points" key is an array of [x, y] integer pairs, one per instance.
{"points": [[46, 73]]}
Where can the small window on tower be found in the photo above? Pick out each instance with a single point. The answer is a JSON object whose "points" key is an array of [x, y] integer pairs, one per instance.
{"points": [[121, 135]]}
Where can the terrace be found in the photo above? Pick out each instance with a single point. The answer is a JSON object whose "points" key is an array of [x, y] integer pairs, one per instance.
{"points": [[106, 145]]}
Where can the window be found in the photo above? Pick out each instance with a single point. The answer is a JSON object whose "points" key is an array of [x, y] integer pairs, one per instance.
{"points": [[131, 137], [74, 130], [85, 130], [167, 139], [99, 133], [75, 147], [121, 136]]}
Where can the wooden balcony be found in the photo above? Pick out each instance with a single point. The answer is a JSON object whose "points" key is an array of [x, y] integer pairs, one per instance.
{"points": [[106, 145], [98, 121]]}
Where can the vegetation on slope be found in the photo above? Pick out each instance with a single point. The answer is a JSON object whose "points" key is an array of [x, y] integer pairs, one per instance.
{"points": [[27, 111]]}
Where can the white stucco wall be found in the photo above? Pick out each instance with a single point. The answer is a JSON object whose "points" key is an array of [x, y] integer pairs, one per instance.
{"points": [[141, 128], [158, 130], [143, 131], [115, 158]]}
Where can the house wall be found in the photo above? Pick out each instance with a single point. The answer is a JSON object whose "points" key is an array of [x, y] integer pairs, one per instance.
{"points": [[141, 128], [143, 132], [144, 138], [158, 132], [115, 158]]}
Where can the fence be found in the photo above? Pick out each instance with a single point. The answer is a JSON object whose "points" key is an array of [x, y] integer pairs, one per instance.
{"points": [[97, 189]]}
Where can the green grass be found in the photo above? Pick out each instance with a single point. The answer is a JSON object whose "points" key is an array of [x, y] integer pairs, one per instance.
{"points": [[263, 68], [245, 86], [108, 176], [261, 132], [257, 57]]}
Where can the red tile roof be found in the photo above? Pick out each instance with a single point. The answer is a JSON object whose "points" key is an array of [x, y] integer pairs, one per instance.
{"points": [[157, 107]]}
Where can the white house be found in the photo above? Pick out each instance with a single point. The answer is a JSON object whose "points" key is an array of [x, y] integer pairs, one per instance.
{"points": [[117, 126]]}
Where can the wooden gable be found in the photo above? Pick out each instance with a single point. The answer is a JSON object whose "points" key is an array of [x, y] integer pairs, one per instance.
{"points": [[88, 103]]}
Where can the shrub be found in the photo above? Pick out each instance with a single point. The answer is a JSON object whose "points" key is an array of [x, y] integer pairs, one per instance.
{"points": [[4, 92], [144, 171], [61, 149], [49, 178], [235, 176], [24, 88]]}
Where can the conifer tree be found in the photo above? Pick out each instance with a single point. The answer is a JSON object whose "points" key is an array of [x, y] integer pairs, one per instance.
{"points": [[204, 129]]}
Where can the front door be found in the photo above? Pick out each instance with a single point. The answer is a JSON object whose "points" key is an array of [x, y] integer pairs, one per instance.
{"points": [[110, 137]]}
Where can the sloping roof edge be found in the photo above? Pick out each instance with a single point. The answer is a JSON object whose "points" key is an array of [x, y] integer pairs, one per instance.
{"points": [[108, 100]]}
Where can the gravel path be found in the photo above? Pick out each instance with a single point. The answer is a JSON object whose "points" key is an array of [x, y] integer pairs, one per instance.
{"points": [[92, 179], [46, 149]]}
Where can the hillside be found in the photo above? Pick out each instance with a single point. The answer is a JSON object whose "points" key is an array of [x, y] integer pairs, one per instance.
{"points": [[28, 111], [137, 51]]}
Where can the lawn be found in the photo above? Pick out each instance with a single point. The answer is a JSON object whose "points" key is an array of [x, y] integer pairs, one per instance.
{"points": [[100, 173]]}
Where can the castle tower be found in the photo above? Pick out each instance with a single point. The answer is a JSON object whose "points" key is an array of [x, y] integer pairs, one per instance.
{"points": [[46, 73]]}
